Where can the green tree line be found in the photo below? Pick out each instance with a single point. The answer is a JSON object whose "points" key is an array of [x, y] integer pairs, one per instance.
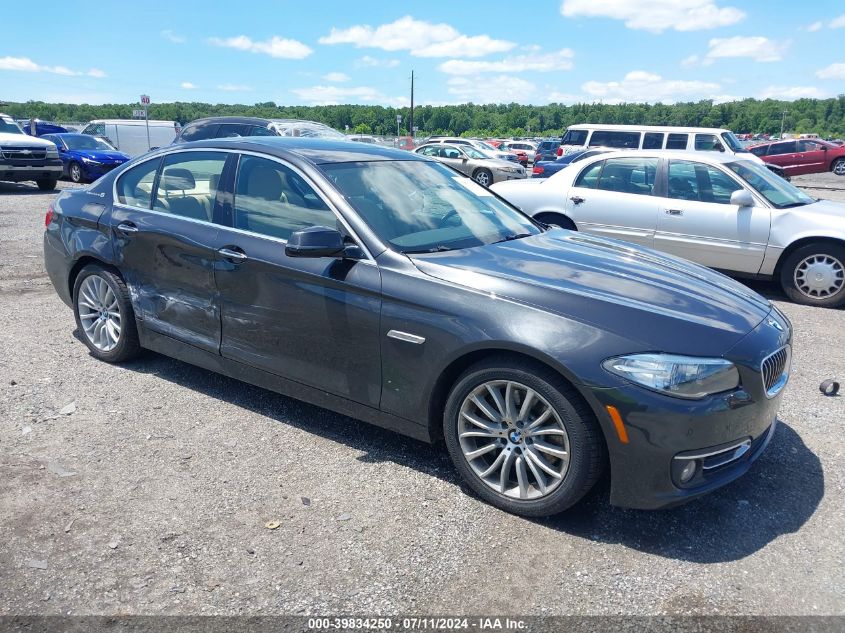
{"points": [[822, 116]]}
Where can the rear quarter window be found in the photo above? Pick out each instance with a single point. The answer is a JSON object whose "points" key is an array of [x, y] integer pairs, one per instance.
{"points": [[589, 178], [619, 140]]}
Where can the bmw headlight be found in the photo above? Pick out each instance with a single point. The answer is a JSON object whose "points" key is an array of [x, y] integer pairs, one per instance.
{"points": [[679, 376], [90, 161]]}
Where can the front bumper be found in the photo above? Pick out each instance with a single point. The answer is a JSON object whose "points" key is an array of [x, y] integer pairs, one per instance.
{"points": [[18, 171], [724, 433], [95, 170]]}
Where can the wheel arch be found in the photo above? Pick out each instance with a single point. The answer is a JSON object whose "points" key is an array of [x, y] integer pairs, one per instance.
{"points": [[81, 263], [804, 241], [549, 217]]}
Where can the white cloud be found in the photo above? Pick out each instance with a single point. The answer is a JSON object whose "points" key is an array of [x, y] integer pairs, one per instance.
{"points": [[371, 62], [834, 71], [812, 28], [333, 95], [644, 87], [170, 36], [760, 49], [691, 61], [336, 77], [234, 88], [25, 64], [790, 93], [560, 60], [187, 85], [656, 15], [274, 47], [421, 39], [838, 23], [486, 89]]}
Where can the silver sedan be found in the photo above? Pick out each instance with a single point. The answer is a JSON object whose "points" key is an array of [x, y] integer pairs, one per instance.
{"points": [[472, 162], [727, 213]]}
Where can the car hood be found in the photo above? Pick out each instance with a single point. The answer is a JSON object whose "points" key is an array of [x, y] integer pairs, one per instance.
{"points": [[834, 211], [99, 155], [662, 302], [23, 140]]}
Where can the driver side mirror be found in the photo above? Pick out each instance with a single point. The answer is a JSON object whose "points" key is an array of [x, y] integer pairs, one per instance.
{"points": [[315, 241], [742, 198]]}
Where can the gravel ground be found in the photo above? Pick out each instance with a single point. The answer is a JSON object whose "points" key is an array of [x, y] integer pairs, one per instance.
{"points": [[146, 489]]}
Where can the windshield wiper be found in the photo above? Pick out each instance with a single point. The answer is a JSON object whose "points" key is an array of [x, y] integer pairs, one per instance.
{"points": [[434, 249], [794, 204], [508, 238]]}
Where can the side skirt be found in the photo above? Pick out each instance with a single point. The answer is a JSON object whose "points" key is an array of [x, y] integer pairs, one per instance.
{"points": [[239, 371]]}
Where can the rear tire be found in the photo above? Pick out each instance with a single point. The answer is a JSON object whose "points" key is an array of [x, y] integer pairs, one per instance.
{"points": [[46, 185], [570, 428], [814, 275], [104, 315]]}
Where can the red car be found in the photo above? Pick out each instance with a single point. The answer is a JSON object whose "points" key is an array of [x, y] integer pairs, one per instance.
{"points": [[803, 156]]}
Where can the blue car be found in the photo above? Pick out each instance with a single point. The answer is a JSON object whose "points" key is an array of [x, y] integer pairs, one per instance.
{"points": [[546, 168], [85, 158]]}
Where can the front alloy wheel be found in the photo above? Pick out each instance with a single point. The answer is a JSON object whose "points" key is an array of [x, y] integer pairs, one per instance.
{"points": [[521, 436], [75, 172], [484, 178]]}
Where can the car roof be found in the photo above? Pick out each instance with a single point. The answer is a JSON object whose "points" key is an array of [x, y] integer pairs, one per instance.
{"points": [[229, 119], [698, 156], [319, 151]]}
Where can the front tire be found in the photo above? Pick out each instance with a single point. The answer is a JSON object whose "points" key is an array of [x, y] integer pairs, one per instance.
{"points": [[47, 185], [522, 438], [104, 315], [838, 167], [74, 172], [814, 275], [483, 177]]}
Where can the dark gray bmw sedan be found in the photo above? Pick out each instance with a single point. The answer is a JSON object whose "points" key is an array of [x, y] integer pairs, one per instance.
{"points": [[388, 287]]}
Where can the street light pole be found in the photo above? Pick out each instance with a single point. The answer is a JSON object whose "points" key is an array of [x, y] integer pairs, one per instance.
{"points": [[782, 121]]}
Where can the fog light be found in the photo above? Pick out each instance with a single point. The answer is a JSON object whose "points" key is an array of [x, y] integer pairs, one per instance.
{"points": [[688, 471]]}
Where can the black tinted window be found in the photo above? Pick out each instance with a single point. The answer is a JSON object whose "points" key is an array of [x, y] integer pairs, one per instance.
{"points": [[257, 130], [200, 132], [622, 140], [233, 130], [653, 140], [273, 200], [677, 141], [809, 146], [760, 150], [782, 148], [629, 175], [590, 176], [574, 137], [708, 143]]}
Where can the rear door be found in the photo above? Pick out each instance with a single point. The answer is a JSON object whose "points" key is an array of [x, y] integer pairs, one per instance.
{"points": [[311, 320], [784, 154], [614, 198], [697, 221], [165, 242]]}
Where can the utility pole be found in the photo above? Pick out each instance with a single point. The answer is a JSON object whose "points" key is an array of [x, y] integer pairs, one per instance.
{"points": [[782, 120], [411, 116]]}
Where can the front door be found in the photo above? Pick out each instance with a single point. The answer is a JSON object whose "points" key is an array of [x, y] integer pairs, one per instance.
{"points": [[811, 157], [698, 222], [165, 241], [311, 320], [614, 198]]}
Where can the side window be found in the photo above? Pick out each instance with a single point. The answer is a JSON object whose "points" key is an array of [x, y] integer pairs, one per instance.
{"points": [[708, 143], [232, 130], [653, 140], [188, 184], [95, 129], [677, 141], [273, 200], [629, 175], [135, 186], [760, 150], [808, 146], [200, 132], [699, 182], [429, 151], [449, 152], [622, 140], [257, 130], [590, 176], [782, 148]]}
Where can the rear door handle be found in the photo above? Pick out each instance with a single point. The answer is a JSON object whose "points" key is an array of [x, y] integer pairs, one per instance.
{"points": [[674, 212], [127, 227], [577, 199], [229, 253]]}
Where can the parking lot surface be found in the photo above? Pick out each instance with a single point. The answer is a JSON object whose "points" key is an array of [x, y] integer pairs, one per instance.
{"points": [[155, 488]]}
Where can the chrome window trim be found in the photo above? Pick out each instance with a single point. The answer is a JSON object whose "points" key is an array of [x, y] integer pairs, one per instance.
{"points": [[158, 156]]}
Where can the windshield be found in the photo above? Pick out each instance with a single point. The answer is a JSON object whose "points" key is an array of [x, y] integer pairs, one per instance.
{"points": [[772, 187], [486, 146], [733, 142], [83, 141], [424, 207], [9, 126]]}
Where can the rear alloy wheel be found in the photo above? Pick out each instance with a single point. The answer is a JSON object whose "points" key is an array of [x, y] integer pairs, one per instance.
{"points": [[815, 275], [521, 438], [75, 172], [838, 167], [104, 315], [483, 177]]}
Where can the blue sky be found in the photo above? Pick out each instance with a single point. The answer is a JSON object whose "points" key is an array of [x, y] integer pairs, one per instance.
{"points": [[485, 52]]}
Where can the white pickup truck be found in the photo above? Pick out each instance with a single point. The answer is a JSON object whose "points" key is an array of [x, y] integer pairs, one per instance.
{"points": [[24, 157]]}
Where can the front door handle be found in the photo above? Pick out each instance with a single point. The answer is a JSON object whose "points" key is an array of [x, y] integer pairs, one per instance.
{"points": [[127, 227], [577, 199], [229, 253], [674, 212]]}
